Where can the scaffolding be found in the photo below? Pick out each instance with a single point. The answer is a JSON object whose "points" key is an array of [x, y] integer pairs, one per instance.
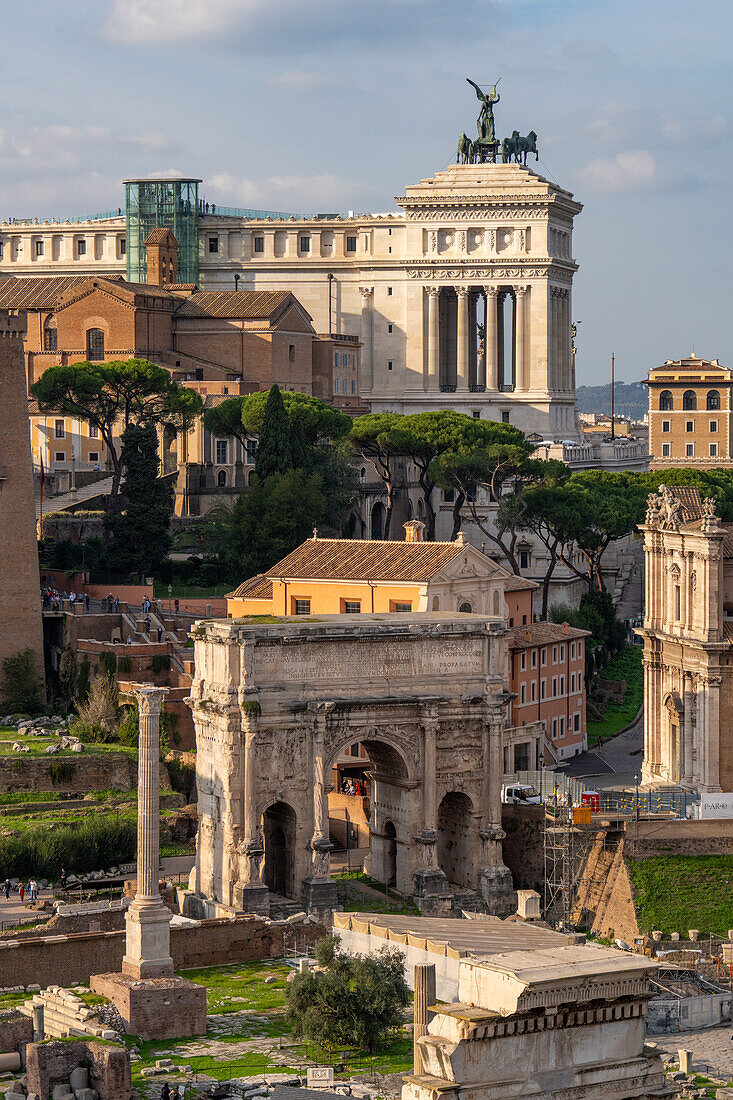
{"points": [[565, 849]]}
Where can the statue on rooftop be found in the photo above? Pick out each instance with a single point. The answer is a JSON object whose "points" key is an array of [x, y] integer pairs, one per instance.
{"points": [[485, 120]]}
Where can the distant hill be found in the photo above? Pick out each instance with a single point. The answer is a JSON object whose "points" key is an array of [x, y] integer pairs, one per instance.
{"points": [[631, 399]]}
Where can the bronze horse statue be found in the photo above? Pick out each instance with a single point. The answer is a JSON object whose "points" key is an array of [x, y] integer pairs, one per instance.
{"points": [[463, 155], [516, 148]]}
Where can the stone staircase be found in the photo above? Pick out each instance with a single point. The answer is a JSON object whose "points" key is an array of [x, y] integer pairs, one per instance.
{"points": [[281, 908], [66, 1015]]}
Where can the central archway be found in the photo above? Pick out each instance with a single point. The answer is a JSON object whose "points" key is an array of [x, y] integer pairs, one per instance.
{"points": [[369, 813], [456, 840], [278, 832]]}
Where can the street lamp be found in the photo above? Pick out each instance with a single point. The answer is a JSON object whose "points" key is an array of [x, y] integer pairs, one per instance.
{"points": [[636, 780]]}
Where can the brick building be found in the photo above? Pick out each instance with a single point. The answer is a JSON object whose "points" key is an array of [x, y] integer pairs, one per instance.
{"points": [[20, 607], [690, 411]]}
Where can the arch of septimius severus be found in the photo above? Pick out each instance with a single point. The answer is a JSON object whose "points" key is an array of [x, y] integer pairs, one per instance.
{"points": [[276, 704]]}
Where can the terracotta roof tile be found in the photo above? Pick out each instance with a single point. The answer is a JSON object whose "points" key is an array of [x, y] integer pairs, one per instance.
{"points": [[355, 559], [689, 498], [245, 304], [544, 633], [256, 588], [39, 292], [160, 235], [518, 584]]}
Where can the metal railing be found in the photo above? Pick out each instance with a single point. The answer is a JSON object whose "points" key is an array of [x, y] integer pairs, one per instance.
{"points": [[550, 785]]}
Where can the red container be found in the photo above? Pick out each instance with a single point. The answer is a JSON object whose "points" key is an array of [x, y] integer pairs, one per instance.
{"points": [[592, 799]]}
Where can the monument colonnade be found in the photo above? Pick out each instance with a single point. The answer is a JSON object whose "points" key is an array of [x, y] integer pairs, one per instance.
{"points": [[456, 362]]}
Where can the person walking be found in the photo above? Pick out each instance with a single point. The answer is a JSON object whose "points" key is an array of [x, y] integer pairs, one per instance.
{"points": [[21, 890], [32, 891], [176, 604], [147, 624], [86, 602], [63, 879], [165, 1092], [117, 604], [7, 889], [160, 633]]}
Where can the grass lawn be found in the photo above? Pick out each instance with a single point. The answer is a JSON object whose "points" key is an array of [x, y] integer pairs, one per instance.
{"points": [[627, 666], [675, 893], [38, 746], [242, 985]]}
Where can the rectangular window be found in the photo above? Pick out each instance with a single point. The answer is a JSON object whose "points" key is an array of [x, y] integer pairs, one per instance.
{"points": [[533, 661], [689, 425], [81, 248], [576, 722], [554, 686], [666, 425], [259, 244], [580, 681], [505, 416], [59, 430], [302, 607], [389, 328], [677, 602], [353, 385], [562, 685], [123, 246], [94, 456], [523, 661], [580, 651], [337, 385], [554, 655], [221, 450], [554, 729], [389, 291], [352, 607], [522, 693], [572, 681], [93, 431], [572, 651], [543, 688], [2, 249], [448, 496], [562, 726], [562, 653], [304, 243], [213, 244], [713, 450], [689, 450], [713, 425], [50, 339], [60, 456], [291, 353], [533, 690], [524, 559], [389, 365], [398, 605], [543, 656], [665, 450], [351, 244], [251, 450], [39, 248]]}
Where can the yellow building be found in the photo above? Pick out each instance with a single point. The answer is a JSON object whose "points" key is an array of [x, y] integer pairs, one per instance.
{"points": [[351, 576], [690, 411]]}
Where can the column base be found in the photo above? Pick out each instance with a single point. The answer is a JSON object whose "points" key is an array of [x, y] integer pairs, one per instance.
{"points": [[147, 941], [431, 893], [496, 887], [319, 897], [158, 1008], [252, 898]]}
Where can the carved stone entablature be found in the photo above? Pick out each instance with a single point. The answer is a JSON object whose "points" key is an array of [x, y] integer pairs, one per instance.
{"points": [[472, 271]]}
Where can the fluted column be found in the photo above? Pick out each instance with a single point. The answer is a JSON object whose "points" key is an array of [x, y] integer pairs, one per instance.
{"points": [[433, 339], [462, 340], [367, 349], [147, 942], [495, 879], [320, 842], [520, 294], [492, 369], [425, 987]]}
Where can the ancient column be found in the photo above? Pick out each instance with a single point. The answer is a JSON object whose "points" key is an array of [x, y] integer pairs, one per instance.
{"points": [[462, 340], [433, 339], [686, 747], [520, 295], [492, 370], [250, 893], [495, 879], [430, 882], [147, 944], [367, 353], [425, 997], [319, 890]]}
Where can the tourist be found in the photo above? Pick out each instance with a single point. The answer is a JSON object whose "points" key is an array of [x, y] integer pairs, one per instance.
{"points": [[176, 604], [160, 633], [110, 601], [147, 624], [63, 879], [21, 890], [176, 1094], [165, 1092], [117, 604], [128, 639], [86, 601], [7, 889], [32, 891]]}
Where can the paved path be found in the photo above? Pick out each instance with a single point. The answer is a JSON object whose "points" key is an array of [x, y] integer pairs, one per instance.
{"points": [[712, 1048], [13, 911], [615, 764]]}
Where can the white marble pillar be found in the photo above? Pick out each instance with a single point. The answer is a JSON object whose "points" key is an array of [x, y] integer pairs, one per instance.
{"points": [[147, 945], [367, 352], [711, 732], [490, 353], [433, 339], [462, 340], [495, 879], [687, 731], [424, 985], [520, 294]]}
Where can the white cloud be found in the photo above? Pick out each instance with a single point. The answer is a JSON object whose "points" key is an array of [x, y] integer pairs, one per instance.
{"points": [[146, 21], [635, 170], [299, 194], [694, 133]]}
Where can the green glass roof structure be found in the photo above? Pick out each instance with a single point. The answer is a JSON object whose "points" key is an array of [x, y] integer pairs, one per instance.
{"points": [[170, 203]]}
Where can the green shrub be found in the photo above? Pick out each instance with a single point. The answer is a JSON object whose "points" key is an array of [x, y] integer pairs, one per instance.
{"points": [[124, 665], [160, 662], [61, 771], [109, 664], [20, 688], [88, 845]]}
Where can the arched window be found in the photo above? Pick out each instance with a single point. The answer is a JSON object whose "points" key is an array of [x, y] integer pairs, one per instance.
{"points": [[713, 399], [221, 479], [95, 345], [436, 603], [50, 335], [665, 401], [466, 608], [689, 400], [362, 475]]}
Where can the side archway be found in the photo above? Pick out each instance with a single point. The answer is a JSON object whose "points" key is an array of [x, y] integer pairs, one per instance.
{"points": [[279, 824], [457, 839]]}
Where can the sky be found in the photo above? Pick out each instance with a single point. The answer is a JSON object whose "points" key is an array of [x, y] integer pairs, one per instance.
{"points": [[336, 105]]}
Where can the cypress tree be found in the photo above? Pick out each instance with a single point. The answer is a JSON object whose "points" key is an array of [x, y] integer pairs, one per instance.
{"points": [[139, 535], [274, 450]]}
